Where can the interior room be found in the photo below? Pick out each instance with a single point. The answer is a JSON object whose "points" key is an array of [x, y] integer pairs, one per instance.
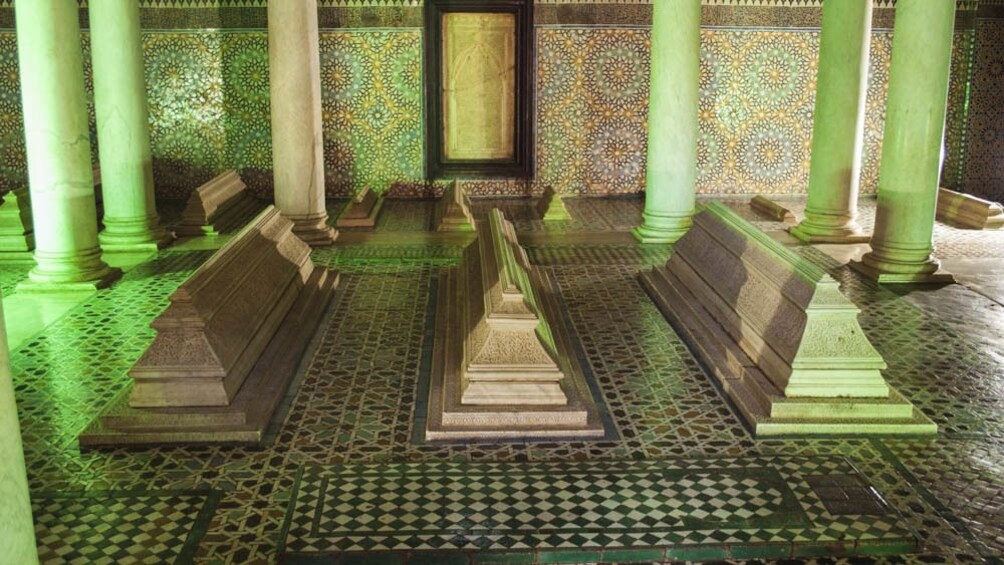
{"points": [[405, 282]]}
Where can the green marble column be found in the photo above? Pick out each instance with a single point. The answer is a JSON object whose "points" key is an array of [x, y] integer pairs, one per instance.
{"points": [[297, 144], [120, 105], [838, 127], [17, 531], [58, 147], [672, 121], [911, 148]]}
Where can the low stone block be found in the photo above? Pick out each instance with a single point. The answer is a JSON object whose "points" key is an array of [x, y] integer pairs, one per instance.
{"points": [[551, 206], [227, 345], [453, 212], [362, 211], [968, 211], [17, 234], [502, 364], [772, 209], [777, 333], [218, 206]]}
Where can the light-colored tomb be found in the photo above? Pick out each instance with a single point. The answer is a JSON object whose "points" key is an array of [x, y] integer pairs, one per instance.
{"points": [[507, 281]]}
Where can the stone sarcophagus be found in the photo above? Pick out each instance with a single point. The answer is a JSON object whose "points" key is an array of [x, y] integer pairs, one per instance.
{"points": [[453, 212], [968, 211], [218, 206], [362, 210], [227, 345], [16, 228], [503, 365], [771, 209], [777, 333]]}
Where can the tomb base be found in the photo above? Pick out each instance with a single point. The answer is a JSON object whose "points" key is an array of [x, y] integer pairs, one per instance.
{"points": [[362, 211], [246, 419], [766, 409], [771, 209], [451, 419], [969, 212], [219, 206]]}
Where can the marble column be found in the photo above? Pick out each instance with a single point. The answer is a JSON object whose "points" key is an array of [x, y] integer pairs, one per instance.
{"points": [[672, 121], [911, 149], [58, 146], [17, 531], [297, 144], [120, 105], [839, 125]]}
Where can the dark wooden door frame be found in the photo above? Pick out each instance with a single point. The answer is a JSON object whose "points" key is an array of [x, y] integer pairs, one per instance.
{"points": [[521, 165]]}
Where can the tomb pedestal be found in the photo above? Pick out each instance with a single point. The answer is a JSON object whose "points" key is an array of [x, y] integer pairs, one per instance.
{"points": [[219, 206], [503, 363], [776, 333], [453, 213], [227, 346], [968, 211], [771, 209], [362, 210]]}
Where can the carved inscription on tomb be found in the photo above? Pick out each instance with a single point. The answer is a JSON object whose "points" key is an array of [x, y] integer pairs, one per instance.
{"points": [[479, 78]]}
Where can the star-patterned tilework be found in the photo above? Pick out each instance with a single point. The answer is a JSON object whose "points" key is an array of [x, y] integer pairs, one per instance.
{"points": [[209, 100], [984, 165]]}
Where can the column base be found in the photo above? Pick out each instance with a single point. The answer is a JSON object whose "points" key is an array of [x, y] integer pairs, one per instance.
{"points": [[145, 242], [315, 231], [846, 235], [648, 234], [43, 284], [921, 276]]}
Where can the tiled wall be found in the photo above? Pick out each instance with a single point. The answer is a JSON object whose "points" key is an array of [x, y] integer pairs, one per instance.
{"points": [[207, 73], [984, 157]]}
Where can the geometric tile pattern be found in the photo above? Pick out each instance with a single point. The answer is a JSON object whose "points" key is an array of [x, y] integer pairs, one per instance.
{"points": [[372, 85], [756, 107], [209, 109], [984, 165], [12, 273], [120, 527], [355, 401], [80, 362], [961, 474], [957, 115], [491, 506]]}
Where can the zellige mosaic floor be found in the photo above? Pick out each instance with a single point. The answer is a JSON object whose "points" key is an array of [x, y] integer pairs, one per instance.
{"points": [[342, 459]]}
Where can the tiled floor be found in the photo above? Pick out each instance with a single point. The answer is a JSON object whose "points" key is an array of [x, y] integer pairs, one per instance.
{"points": [[347, 435]]}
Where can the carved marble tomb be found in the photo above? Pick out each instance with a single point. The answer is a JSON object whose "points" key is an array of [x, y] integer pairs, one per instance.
{"points": [[503, 365], [776, 333], [227, 346]]}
